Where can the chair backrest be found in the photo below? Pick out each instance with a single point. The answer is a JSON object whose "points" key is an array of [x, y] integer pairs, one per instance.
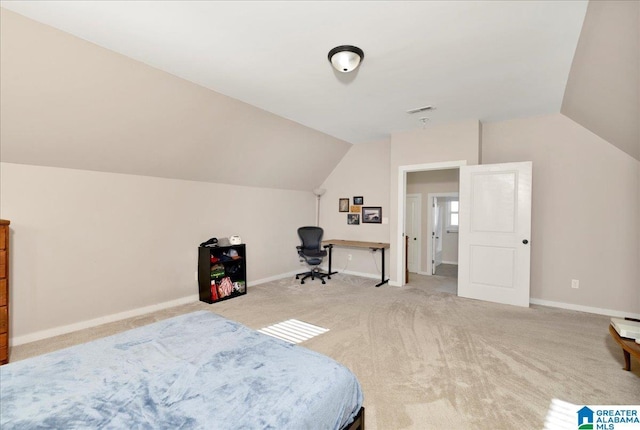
{"points": [[311, 237]]}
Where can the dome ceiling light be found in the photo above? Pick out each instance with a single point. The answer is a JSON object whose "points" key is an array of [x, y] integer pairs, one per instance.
{"points": [[346, 58]]}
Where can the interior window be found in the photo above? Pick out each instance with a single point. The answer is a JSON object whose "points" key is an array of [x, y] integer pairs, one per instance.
{"points": [[452, 218]]}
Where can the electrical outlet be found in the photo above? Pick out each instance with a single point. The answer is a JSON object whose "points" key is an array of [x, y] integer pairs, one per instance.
{"points": [[575, 283], [349, 257]]}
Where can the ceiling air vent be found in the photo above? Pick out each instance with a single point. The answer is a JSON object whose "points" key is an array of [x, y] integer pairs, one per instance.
{"points": [[420, 109]]}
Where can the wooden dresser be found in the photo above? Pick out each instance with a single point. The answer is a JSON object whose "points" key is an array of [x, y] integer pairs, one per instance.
{"points": [[4, 291]]}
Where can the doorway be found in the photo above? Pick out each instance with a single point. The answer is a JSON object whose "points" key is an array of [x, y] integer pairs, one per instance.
{"points": [[423, 189], [443, 235], [496, 209]]}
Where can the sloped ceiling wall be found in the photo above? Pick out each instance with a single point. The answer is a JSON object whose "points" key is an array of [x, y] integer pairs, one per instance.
{"points": [[68, 103], [603, 89]]}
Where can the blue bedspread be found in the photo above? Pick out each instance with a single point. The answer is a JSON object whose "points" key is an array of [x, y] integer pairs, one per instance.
{"points": [[198, 370]]}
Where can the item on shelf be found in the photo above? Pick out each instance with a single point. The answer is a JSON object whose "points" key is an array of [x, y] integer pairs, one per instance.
{"points": [[210, 243], [214, 259], [217, 271], [235, 240], [224, 241], [214, 290], [226, 287], [233, 269], [239, 286]]}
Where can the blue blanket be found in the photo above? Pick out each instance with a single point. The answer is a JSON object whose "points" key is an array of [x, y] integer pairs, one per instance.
{"points": [[194, 371]]}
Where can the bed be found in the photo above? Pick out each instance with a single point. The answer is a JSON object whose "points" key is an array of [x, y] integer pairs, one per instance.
{"points": [[197, 370]]}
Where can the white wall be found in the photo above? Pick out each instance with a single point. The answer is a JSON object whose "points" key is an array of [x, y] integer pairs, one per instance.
{"points": [[585, 211], [364, 171], [371, 170], [437, 144], [89, 244], [603, 88], [69, 103]]}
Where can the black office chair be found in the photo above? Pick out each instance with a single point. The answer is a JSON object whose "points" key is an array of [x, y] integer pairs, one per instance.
{"points": [[311, 251]]}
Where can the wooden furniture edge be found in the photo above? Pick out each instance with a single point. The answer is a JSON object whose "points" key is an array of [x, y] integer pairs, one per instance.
{"points": [[5, 345], [356, 243], [629, 347], [358, 421]]}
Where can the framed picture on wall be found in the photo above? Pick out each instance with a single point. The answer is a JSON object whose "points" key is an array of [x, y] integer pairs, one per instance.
{"points": [[355, 209], [343, 205], [353, 219], [359, 200], [372, 214]]}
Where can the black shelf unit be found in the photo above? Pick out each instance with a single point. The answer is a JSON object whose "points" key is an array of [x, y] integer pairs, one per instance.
{"points": [[222, 269]]}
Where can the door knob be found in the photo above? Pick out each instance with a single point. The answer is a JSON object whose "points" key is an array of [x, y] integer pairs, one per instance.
{"points": [[415, 238], [525, 241]]}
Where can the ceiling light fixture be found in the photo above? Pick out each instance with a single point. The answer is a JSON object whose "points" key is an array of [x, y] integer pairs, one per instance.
{"points": [[346, 58]]}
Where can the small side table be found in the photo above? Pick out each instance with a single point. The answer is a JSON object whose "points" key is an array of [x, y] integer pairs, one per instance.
{"points": [[629, 347]]}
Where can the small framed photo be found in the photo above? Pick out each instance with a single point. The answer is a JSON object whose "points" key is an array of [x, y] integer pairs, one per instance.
{"points": [[372, 214], [358, 200], [343, 206], [353, 219], [355, 209]]}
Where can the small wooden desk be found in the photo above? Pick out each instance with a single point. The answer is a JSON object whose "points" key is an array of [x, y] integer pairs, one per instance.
{"points": [[357, 244], [629, 347]]}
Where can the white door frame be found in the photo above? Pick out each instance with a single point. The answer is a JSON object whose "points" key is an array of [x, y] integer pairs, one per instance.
{"points": [[418, 233], [430, 224], [402, 189]]}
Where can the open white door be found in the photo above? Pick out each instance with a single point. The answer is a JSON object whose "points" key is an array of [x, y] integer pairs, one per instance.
{"points": [[494, 232], [436, 234], [414, 216]]}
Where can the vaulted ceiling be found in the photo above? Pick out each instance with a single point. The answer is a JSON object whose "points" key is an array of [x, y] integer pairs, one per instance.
{"points": [[486, 60], [211, 90]]}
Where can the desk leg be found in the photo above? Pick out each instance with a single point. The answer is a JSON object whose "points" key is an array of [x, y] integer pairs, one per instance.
{"points": [[382, 281], [330, 272]]}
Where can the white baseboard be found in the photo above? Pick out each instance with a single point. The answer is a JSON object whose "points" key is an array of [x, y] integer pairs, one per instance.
{"points": [[275, 278], [588, 309], [455, 263], [57, 331]]}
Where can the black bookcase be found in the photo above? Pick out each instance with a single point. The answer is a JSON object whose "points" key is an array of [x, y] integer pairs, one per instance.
{"points": [[222, 272]]}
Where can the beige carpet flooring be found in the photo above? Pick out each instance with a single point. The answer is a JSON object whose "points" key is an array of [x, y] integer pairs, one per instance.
{"points": [[449, 270], [427, 359]]}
